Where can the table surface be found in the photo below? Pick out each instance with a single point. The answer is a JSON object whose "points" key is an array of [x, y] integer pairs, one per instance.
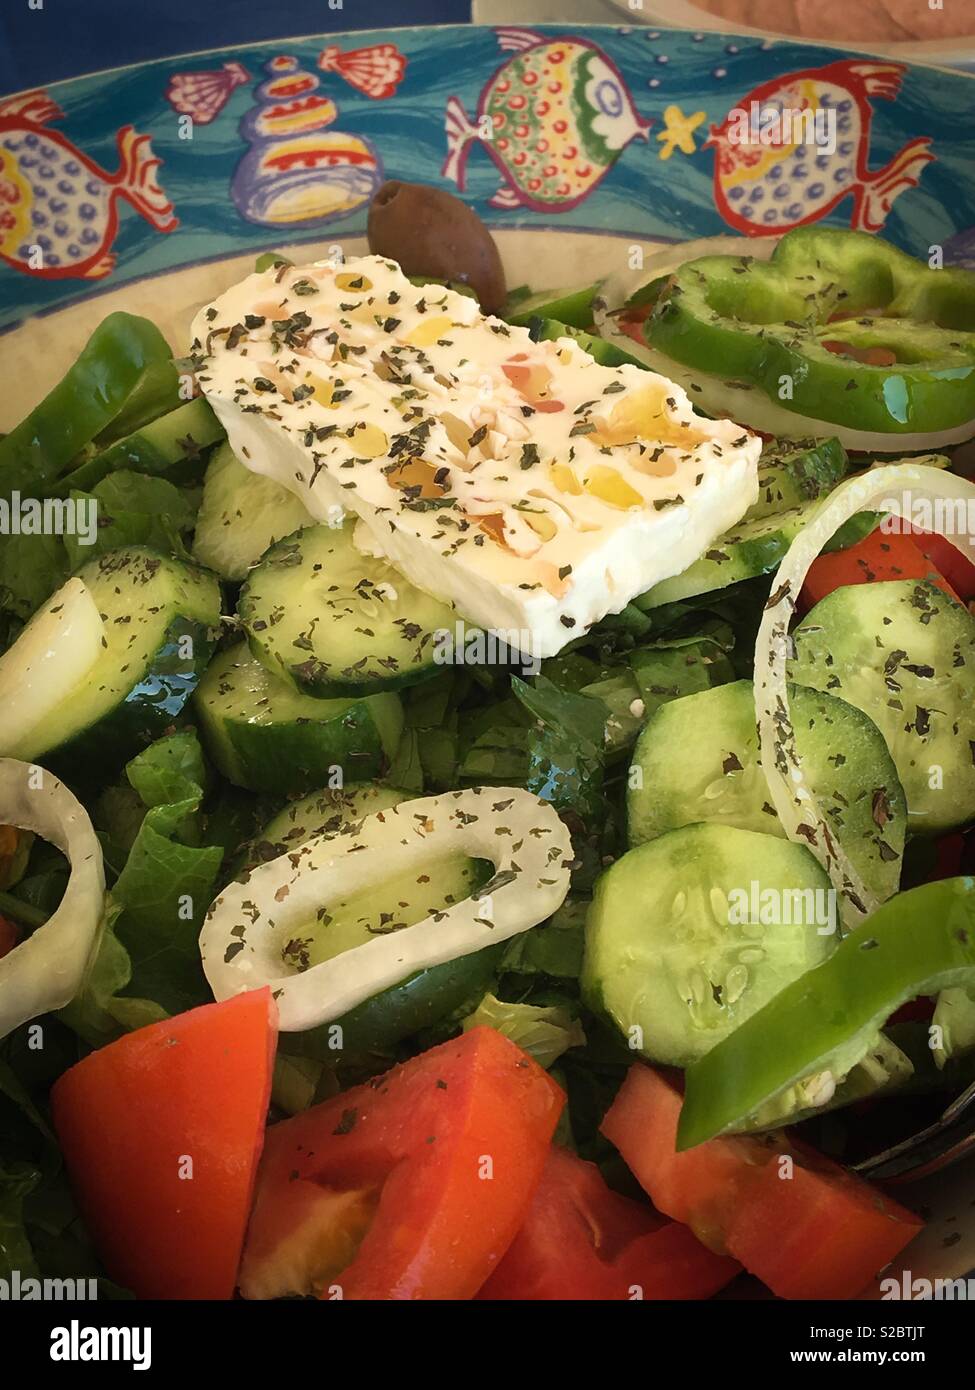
{"points": [[59, 40]]}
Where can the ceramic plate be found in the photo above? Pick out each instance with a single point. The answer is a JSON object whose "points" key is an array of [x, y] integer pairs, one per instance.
{"points": [[153, 187], [773, 19]]}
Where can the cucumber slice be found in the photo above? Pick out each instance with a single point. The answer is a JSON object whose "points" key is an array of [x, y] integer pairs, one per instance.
{"points": [[792, 472], [752, 548], [666, 958], [51, 657], [241, 516], [180, 434], [904, 653], [324, 812], [572, 307], [335, 622], [609, 354], [265, 735], [160, 618], [426, 998], [718, 777]]}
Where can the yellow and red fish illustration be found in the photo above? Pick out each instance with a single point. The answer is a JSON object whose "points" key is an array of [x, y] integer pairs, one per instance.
{"points": [[58, 208], [765, 187], [555, 118]]}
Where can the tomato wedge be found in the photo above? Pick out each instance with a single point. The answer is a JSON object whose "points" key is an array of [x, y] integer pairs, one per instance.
{"points": [[411, 1186], [803, 1225], [878, 557], [947, 559], [9, 936], [582, 1240], [161, 1133]]}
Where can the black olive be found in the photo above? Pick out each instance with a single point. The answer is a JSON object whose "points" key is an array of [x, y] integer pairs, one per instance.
{"points": [[430, 232]]}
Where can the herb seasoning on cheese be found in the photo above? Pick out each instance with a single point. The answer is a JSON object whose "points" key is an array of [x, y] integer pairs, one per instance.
{"points": [[521, 481]]}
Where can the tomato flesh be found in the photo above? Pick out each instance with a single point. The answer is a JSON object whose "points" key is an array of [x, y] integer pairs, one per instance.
{"points": [[879, 557], [803, 1225], [161, 1133], [582, 1240], [411, 1186], [9, 936]]}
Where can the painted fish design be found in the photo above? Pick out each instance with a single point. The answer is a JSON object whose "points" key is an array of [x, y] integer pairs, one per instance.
{"points": [[297, 170], [55, 199], [555, 118], [203, 95], [764, 189]]}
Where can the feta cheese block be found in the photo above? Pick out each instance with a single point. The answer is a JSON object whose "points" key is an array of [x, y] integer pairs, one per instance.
{"points": [[523, 482]]}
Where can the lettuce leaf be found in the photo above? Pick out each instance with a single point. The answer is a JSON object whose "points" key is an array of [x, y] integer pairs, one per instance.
{"points": [[148, 961], [544, 1033], [41, 1232]]}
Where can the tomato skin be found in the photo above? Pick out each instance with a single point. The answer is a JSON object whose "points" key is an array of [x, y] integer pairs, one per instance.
{"points": [[423, 1176], [803, 1225], [696, 1187], [9, 936], [879, 557], [128, 1116], [958, 571], [582, 1240]]}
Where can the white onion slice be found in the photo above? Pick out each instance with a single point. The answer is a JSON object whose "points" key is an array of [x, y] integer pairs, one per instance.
{"points": [[250, 923], [45, 971], [747, 405], [48, 661], [893, 488]]}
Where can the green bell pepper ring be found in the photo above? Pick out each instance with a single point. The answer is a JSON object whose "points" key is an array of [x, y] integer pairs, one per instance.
{"points": [[123, 377], [917, 943], [836, 325]]}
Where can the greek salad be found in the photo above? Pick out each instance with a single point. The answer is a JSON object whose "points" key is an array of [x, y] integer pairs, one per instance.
{"points": [[485, 808]]}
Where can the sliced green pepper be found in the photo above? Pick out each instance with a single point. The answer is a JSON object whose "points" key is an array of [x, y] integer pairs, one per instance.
{"points": [[825, 1022], [123, 377], [836, 325]]}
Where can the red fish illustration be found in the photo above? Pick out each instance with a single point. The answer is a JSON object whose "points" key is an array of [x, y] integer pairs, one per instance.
{"points": [[554, 118], [764, 187], [58, 208]]}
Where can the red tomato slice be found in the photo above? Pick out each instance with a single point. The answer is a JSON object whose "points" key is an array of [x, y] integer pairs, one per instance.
{"points": [[802, 1224], [583, 1240], [878, 557], [411, 1186], [947, 560], [9, 936], [161, 1133]]}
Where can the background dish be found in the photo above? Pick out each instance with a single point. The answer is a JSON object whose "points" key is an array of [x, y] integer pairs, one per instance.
{"points": [[953, 52], [188, 167]]}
